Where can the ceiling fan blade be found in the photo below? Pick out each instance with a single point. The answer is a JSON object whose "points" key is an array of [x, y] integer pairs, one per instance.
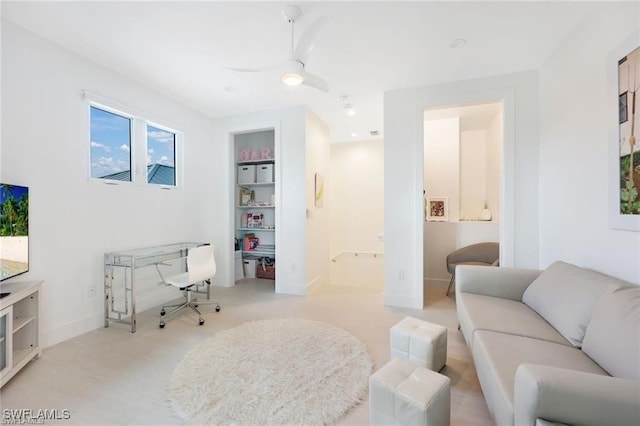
{"points": [[244, 69], [255, 69], [308, 39], [315, 81]]}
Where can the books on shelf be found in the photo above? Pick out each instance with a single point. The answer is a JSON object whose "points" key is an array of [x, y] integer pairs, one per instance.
{"points": [[251, 242], [259, 204], [255, 220]]}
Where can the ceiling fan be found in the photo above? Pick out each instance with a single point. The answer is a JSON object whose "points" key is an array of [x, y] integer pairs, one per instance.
{"points": [[294, 70]]}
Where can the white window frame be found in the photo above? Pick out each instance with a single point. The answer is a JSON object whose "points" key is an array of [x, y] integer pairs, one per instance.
{"points": [[132, 148], [138, 147], [177, 152]]}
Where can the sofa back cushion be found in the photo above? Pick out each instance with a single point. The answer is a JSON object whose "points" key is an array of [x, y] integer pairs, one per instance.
{"points": [[565, 295], [613, 335]]}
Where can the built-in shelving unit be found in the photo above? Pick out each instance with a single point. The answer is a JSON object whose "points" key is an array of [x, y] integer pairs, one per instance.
{"points": [[256, 205], [19, 327]]}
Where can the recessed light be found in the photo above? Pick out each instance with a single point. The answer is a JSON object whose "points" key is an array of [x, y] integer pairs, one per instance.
{"points": [[348, 108], [457, 43], [354, 135]]}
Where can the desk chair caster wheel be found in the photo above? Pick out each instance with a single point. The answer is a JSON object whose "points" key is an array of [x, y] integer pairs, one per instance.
{"points": [[201, 321], [218, 308], [162, 324]]}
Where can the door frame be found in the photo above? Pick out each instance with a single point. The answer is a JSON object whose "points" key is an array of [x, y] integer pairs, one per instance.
{"points": [[507, 227]]}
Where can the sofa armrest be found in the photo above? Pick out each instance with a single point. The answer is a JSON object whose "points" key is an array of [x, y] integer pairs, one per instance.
{"points": [[574, 397], [508, 283]]}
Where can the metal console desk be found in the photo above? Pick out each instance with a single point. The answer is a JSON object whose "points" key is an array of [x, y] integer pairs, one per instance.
{"points": [[128, 261]]}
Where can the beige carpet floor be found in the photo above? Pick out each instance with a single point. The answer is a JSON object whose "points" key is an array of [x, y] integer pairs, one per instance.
{"points": [[112, 377]]}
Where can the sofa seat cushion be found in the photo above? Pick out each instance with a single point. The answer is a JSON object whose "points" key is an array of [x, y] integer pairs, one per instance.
{"points": [[565, 296], [479, 312], [613, 335], [498, 355]]}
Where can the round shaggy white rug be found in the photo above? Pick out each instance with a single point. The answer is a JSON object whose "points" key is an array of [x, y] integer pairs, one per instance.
{"points": [[272, 372]]}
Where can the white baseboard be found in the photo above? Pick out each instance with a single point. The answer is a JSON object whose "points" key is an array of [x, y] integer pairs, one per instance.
{"points": [[296, 290], [70, 330], [144, 301], [313, 285]]}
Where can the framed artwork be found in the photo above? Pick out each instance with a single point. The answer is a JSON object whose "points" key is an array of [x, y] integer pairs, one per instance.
{"points": [[628, 84], [319, 190], [437, 209], [624, 146]]}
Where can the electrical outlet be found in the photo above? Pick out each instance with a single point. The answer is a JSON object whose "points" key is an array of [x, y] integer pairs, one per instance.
{"points": [[91, 291], [401, 275]]}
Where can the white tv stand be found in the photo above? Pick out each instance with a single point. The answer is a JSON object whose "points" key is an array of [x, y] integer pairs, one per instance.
{"points": [[19, 327]]}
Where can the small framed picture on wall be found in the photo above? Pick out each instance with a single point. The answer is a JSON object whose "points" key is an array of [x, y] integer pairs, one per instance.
{"points": [[437, 209]]}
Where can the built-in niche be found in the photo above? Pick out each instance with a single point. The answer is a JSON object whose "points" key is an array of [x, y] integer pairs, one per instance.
{"points": [[462, 166], [462, 157]]}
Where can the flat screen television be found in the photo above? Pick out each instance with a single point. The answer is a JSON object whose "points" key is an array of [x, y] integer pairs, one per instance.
{"points": [[14, 230]]}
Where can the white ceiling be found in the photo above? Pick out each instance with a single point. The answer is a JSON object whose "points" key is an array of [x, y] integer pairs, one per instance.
{"points": [[182, 48]]}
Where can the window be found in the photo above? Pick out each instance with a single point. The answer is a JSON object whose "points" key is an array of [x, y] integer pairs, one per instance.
{"points": [[110, 145], [122, 143], [161, 156]]}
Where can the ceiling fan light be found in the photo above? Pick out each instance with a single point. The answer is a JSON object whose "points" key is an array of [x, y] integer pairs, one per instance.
{"points": [[292, 78]]}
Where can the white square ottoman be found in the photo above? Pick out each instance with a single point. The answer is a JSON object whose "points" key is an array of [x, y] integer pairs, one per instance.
{"points": [[420, 342], [402, 393]]}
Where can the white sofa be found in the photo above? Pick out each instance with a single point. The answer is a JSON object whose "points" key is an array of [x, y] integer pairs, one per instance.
{"points": [[560, 346]]}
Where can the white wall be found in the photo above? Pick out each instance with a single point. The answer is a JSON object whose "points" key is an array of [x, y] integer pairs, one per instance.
{"points": [[74, 221], [357, 196], [442, 161], [403, 124], [574, 157], [473, 170], [318, 219]]}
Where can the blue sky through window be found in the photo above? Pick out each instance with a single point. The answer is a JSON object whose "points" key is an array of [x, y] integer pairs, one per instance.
{"points": [[160, 147], [110, 143], [161, 150]]}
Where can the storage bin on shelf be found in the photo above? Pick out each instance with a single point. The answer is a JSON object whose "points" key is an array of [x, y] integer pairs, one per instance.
{"points": [[266, 268], [247, 173], [250, 267], [264, 173]]}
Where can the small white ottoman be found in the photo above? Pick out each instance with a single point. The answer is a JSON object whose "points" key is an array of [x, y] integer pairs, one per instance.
{"points": [[421, 342], [402, 393]]}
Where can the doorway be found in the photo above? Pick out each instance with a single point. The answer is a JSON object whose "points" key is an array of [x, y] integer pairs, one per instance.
{"points": [[356, 200], [463, 156], [255, 210]]}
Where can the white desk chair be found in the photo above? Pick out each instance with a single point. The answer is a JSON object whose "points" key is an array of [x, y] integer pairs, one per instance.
{"points": [[201, 267]]}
